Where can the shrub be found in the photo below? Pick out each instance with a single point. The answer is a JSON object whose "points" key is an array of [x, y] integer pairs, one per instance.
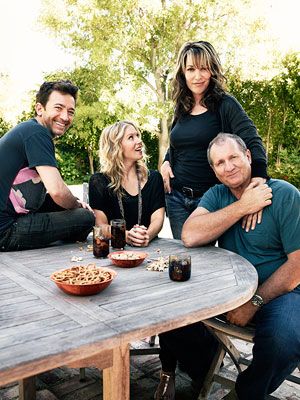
{"points": [[288, 168]]}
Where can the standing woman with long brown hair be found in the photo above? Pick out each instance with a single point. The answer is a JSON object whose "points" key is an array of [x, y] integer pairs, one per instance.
{"points": [[202, 110]]}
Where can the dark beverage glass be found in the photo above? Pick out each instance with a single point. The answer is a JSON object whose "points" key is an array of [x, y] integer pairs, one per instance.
{"points": [[118, 233], [180, 267], [101, 235]]}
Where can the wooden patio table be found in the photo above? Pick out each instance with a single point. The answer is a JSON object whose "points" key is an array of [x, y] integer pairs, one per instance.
{"points": [[42, 328]]}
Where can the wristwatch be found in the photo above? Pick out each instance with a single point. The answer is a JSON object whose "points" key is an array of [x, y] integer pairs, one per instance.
{"points": [[257, 300]]}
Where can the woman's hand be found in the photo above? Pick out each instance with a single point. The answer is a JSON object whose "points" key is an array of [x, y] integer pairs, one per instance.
{"points": [[250, 221], [138, 236], [167, 174]]}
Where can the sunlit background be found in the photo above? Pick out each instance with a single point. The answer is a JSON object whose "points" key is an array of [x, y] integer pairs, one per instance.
{"points": [[28, 52]]}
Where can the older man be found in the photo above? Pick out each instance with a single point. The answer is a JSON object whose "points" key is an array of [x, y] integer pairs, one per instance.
{"points": [[36, 206], [273, 247]]}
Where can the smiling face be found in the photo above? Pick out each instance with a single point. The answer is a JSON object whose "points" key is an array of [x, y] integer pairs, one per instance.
{"points": [[231, 164], [132, 145], [58, 113], [197, 77]]}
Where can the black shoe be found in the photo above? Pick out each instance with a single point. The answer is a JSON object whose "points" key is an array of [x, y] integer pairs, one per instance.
{"points": [[166, 387], [181, 367], [197, 385], [231, 396]]}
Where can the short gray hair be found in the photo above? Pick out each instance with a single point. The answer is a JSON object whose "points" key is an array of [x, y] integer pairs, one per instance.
{"points": [[222, 138]]}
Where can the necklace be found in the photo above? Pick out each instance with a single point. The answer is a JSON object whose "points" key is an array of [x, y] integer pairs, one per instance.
{"points": [[140, 200]]}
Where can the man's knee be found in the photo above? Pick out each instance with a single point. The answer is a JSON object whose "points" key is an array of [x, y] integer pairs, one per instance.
{"points": [[82, 215], [81, 223], [278, 343]]}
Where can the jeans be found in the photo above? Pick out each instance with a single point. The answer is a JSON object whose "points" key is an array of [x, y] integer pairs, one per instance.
{"points": [[179, 208], [276, 350], [39, 229]]}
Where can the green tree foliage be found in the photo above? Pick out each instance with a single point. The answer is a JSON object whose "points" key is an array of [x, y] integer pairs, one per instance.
{"points": [[133, 47], [274, 106], [92, 115], [126, 52], [4, 126]]}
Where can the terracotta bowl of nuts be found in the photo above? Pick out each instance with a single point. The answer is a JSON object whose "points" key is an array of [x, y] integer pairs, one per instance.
{"points": [[83, 280], [127, 258]]}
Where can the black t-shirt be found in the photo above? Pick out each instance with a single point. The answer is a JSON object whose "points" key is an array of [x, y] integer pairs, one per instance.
{"points": [[104, 199], [189, 140], [29, 144]]}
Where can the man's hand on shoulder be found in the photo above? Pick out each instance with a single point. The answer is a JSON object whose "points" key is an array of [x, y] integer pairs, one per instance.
{"points": [[249, 221], [255, 197]]}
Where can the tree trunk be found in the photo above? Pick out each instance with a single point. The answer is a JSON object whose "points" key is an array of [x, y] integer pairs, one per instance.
{"points": [[91, 162], [278, 159], [269, 132], [163, 139]]}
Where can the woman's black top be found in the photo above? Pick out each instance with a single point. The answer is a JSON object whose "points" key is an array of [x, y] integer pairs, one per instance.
{"points": [[102, 198], [191, 135], [189, 139]]}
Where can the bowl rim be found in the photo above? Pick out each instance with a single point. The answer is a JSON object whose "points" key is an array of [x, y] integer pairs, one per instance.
{"points": [[143, 253], [111, 271]]}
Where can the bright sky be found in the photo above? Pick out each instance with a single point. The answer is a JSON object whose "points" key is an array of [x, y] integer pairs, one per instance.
{"points": [[27, 53]]}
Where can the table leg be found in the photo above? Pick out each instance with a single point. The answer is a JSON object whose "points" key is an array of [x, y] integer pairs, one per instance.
{"points": [[116, 379], [27, 388]]}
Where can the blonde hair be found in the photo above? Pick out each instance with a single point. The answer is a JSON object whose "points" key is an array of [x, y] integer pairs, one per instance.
{"points": [[111, 154]]}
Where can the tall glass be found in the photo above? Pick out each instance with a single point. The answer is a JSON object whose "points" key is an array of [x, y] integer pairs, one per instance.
{"points": [[101, 236], [118, 233]]}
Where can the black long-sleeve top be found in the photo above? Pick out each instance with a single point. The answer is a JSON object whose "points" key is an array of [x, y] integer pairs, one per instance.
{"points": [[191, 134]]}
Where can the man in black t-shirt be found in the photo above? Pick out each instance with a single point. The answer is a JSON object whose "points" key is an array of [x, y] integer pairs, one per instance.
{"points": [[36, 206]]}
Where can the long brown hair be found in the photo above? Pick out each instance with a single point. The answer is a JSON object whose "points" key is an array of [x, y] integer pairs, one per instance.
{"points": [[202, 53]]}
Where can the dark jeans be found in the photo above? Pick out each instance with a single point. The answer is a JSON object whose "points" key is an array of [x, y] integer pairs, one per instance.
{"points": [[276, 350], [179, 208], [192, 346], [39, 229]]}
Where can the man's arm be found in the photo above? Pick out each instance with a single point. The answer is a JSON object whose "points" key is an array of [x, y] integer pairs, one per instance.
{"points": [[203, 227], [57, 188], [282, 281]]}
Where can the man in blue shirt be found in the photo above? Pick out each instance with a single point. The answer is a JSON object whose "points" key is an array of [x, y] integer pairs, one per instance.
{"points": [[36, 206], [272, 245]]}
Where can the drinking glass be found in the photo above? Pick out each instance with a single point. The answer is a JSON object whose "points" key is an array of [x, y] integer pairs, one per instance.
{"points": [[118, 233], [101, 236], [180, 267]]}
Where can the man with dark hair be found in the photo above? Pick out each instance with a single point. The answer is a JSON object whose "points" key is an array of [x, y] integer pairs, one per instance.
{"points": [[273, 247], [36, 206]]}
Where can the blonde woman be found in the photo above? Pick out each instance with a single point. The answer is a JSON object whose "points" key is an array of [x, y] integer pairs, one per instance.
{"points": [[124, 187]]}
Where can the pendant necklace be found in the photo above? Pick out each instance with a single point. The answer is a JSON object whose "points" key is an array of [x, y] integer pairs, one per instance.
{"points": [[140, 200]]}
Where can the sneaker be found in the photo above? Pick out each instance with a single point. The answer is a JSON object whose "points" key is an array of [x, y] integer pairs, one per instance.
{"points": [[166, 387]]}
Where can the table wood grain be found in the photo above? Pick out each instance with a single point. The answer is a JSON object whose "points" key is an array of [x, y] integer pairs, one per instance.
{"points": [[42, 328]]}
